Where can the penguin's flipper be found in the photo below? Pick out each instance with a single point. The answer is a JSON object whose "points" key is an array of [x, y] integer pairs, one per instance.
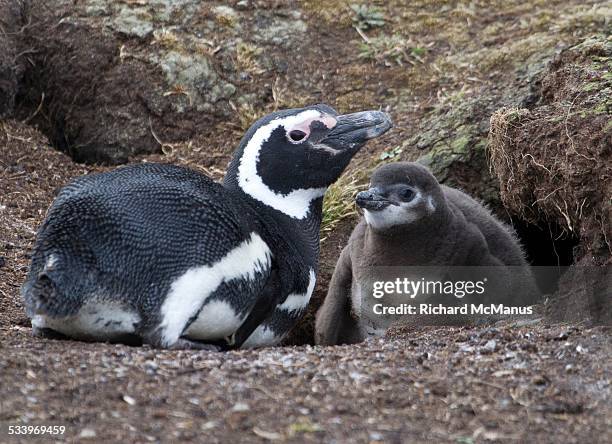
{"points": [[334, 323], [270, 297]]}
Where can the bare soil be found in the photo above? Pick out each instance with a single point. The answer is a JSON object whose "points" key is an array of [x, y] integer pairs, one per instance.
{"points": [[527, 384]]}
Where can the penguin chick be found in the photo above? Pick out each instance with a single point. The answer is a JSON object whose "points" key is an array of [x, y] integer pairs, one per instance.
{"points": [[410, 220], [164, 254]]}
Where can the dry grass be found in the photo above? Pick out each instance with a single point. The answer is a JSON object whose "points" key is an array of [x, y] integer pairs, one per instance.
{"points": [[246, 115], [246, 58], [167, 39], [338, 13], [391, 49], [339, 202]]}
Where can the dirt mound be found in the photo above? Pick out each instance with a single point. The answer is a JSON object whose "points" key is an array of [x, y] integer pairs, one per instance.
{"points": [[114, 79], [553, 159]]}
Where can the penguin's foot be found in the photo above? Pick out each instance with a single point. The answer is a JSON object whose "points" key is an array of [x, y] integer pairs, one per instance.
{"points": [[47, 333], [188, 344]]}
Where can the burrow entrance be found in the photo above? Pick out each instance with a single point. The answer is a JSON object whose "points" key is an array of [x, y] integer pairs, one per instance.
{"points": [[547, 246]]}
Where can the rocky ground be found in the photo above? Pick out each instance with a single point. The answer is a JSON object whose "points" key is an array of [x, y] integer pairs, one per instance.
{"points": [[179, 81]]}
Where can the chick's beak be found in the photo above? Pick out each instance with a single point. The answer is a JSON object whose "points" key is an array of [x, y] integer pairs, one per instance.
{"points": [[372, 200]]}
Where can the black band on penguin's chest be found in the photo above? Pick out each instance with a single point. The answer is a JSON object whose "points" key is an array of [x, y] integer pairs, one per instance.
{"points": [[294, 244]]}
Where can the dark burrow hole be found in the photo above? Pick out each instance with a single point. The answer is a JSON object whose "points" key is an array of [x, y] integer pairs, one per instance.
{"points": [[549, 249], [38, 114], [37, 105]]}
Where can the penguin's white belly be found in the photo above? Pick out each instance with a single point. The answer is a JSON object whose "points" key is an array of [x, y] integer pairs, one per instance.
{"points": [[216, 320], [370, 325], [263, 336], [95, 321]]}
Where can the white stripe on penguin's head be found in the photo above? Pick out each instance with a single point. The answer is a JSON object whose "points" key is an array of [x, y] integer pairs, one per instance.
{"points": [[296, 203]]}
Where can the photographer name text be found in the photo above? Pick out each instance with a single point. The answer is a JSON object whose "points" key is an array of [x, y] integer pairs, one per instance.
{"points": [[440, 309]]}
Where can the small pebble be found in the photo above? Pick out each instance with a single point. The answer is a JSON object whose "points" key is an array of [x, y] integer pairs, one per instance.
{"points": [[375, 436], [490, 346], [241, 407], [87, 433]]}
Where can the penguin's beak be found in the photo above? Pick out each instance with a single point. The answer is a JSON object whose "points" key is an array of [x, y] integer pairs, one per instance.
{"points": [[352, 131], [373, 200]]}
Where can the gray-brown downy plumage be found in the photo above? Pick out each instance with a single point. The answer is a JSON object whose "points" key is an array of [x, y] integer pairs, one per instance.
{"points": [[411, 220]]}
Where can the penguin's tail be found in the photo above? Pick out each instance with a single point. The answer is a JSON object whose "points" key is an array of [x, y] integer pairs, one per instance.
{"points": [[42, 291], [41, 294]]}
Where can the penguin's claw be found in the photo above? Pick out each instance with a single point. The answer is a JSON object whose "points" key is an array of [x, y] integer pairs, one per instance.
{"points": [[231, 340]]}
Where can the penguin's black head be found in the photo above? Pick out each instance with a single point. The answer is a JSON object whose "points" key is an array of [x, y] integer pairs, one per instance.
{"points": [[289, 158], [400, 194]]}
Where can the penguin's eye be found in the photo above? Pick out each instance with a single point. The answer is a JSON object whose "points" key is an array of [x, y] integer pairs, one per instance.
{"points": [[408, 195], [297, 135]]}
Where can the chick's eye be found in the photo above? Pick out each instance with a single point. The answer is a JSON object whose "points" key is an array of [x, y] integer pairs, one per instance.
{"points": [[297, 135], [408, 194]]}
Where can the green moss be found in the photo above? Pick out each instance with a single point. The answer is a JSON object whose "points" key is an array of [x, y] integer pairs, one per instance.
{"points": [[304, 427], [247, 58], [461, 144], [367, 17], [591, 86], [602, 108]]}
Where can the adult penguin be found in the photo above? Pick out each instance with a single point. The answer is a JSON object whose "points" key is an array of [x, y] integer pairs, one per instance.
{"points": [[168, 256]]}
